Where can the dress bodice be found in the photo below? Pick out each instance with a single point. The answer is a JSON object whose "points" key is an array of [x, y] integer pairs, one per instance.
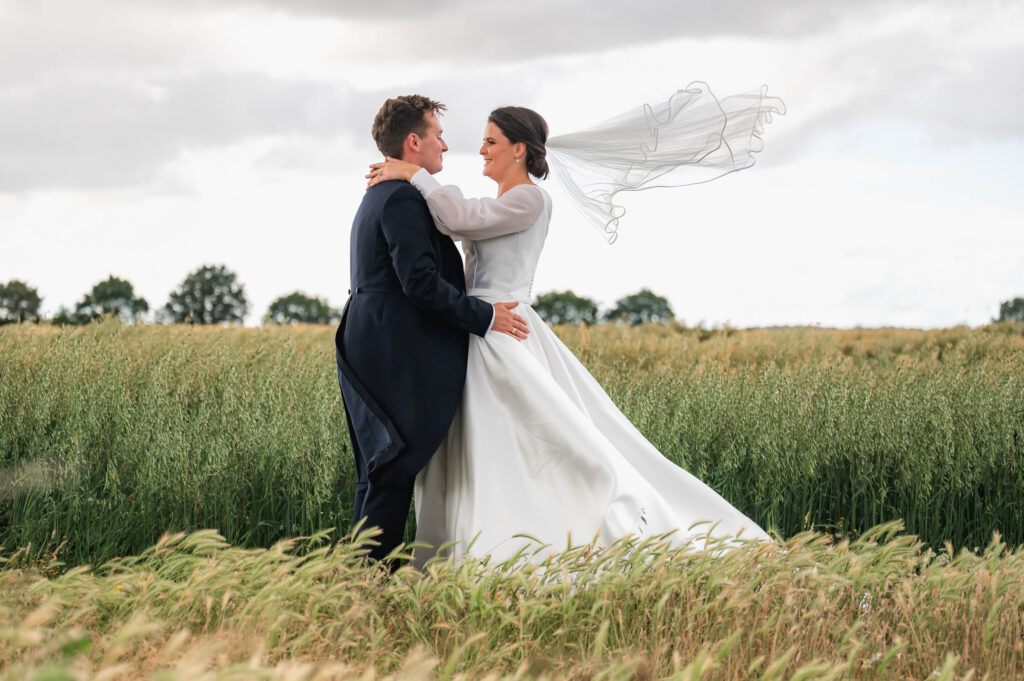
{"points": [[502, 238], [506, 264]]}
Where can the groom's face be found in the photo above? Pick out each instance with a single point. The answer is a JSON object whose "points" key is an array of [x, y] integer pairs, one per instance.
{"points": [[432, 145]]}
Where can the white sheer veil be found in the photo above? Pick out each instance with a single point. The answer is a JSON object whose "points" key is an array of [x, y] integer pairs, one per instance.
{"points": [[694, 137]]}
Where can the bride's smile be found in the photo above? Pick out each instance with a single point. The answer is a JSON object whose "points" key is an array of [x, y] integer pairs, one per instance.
{"points": [[503, 159]]}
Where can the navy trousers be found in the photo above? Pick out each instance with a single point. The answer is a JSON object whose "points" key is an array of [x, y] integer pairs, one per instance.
{"points": [[382, 500]]}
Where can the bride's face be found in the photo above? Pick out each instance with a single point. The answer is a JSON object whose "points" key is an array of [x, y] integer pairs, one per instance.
{"points": [[499, 154]]}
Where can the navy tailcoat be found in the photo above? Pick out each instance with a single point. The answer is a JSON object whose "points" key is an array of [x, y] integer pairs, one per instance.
{"points": [[402, 344]]}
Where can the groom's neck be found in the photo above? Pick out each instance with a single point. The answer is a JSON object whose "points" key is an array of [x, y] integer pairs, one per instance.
{"points": [[411, 157]]}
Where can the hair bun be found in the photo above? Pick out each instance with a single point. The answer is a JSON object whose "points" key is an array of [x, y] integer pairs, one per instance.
{"points": [[537, 162]]}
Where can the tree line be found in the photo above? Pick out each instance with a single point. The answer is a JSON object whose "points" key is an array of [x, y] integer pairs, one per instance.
{"points": [[212, 294]]}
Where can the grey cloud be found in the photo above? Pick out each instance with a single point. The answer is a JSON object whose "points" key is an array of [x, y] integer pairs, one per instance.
{"points": [[100, 134], [105, 95], [42, 39], [958, 95], [108, 99], [500, 30], [120, 133], [984, 101]]}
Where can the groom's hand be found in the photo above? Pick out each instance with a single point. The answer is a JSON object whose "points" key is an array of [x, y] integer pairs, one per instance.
{"points": [[507, 321]]}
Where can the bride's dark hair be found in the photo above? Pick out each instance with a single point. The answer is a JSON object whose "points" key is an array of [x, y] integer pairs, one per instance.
{"points": [[524, 125]]}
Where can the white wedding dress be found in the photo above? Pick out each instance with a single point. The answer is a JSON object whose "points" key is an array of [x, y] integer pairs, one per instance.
{"points": [[536, 447]]}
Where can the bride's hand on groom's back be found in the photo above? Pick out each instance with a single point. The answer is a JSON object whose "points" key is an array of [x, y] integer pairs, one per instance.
{"points": [[508, 322], [391, 169]]}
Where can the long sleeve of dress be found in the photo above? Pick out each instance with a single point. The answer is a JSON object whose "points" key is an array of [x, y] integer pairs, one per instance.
{"points": [[462, 218]]}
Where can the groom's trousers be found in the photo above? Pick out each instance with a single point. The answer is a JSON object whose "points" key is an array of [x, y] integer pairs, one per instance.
{"points": [[382, 501], [384, 484]]}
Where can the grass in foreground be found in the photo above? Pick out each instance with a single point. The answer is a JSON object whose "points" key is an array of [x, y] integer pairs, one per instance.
{"points": [[192, 606]]}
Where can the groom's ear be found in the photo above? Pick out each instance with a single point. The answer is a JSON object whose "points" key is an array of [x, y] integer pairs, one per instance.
{"points": [[412, 141]]}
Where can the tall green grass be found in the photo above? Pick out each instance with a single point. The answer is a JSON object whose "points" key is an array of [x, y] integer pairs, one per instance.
{"points": [[111, 435], [128, 432]]}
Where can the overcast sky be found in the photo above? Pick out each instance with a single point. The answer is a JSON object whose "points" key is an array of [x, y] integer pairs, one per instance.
{"points": [[145, 139]]}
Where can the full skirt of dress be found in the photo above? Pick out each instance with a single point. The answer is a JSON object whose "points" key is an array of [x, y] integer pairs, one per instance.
{"points": [[538, 448]]}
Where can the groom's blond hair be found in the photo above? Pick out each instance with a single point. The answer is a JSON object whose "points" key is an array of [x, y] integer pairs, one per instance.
{"points": [[400, 116]]}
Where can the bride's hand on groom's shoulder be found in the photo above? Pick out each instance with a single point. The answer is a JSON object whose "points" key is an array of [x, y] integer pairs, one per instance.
{"points": [[391, 169]]}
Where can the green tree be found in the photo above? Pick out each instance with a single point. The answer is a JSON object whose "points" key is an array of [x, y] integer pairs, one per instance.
{"points": [[297, 307], [19, 302], [111, 296], [64, 317], [642, 307], [1011, 309], [565, 307], [210, 295]]}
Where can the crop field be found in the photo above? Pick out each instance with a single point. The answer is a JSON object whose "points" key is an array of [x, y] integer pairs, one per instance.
{"points": [[112, 436]]}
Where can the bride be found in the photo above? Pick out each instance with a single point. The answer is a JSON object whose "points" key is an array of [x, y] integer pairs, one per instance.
{"points": [[537, 450]]}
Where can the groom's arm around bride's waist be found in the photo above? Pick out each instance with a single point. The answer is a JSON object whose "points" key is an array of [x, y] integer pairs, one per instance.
{"points": [[408, 227]]}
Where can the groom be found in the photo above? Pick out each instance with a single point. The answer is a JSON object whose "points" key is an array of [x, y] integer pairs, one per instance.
{"points": [[403, 340]]}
